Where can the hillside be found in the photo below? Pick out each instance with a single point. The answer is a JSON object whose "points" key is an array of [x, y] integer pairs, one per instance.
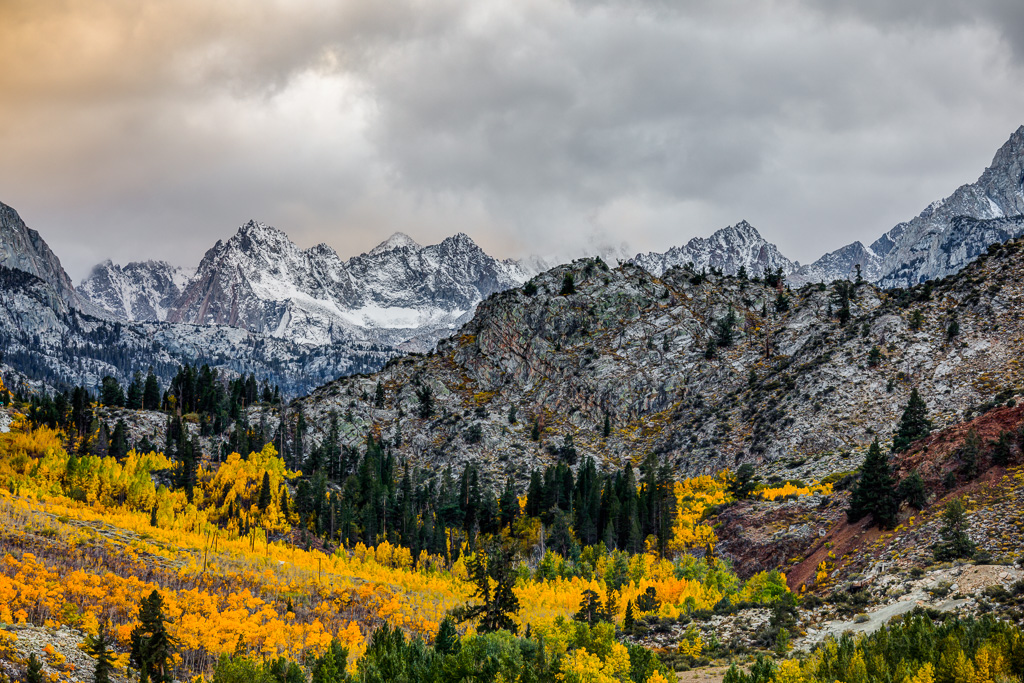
{"points": [[796, 391]]}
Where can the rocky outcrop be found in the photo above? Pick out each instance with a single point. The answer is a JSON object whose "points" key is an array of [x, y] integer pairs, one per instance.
{"points": [[796, 392], [259, 280], [729, 249], [140, 291], [23, 249]]}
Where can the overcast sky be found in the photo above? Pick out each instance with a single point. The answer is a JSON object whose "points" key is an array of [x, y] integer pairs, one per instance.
{"points": [[149, 129]]}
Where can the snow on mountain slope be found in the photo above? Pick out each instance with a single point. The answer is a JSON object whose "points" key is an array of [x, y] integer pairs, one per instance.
{"points": [[140, 291], [261, 281], [951, 232], [730, 248]]}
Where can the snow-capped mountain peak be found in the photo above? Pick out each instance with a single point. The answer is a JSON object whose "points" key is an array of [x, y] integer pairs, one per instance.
{"points": [[398, 240], [730, 248]]}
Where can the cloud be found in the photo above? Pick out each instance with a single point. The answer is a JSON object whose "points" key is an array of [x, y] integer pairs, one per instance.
{"points": [[148, 130]]}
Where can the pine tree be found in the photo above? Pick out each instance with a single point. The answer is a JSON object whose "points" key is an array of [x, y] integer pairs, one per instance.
{"points": [[590, 608], [492, 564], [606, 431], [875, 493], [265, 493], [743, 484], [956, 543], [916, 319], [629, 619], [724, 332], [535, 431], [378, 398], [99, 647], [952, 330], [151, 392], [568, 285], [425, 395], [447, 640], [512, 419], [913, 491], [969, 454], [133, 400], [914, 424], [1003, 449], [34, 673], [152, 646]]}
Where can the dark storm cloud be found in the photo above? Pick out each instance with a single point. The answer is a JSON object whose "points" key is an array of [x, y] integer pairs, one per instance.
{"points": [[148, 130]]}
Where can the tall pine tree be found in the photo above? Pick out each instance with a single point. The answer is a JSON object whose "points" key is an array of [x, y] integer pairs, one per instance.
{"points": [[875, 493], [152, 646], [913, 425]]}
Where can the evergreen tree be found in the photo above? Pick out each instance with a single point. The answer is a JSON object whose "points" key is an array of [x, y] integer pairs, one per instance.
{"points": [[447, 640], [744, 482], [1003, 449], [568, 285], [111, 393], [914, 424], [152, 646], [724, 332], [629, 620], [119, 440], [606, 431], [425, 395], [265, 493], [952, 330], [874, 357], [34, 673], [913, 491], [509, 504], [99, 647], [781, 304], [590, 608], [133, 400], [378, 398], [875, 493], [956, 543], [512, 415], [916, 319], [151, 392], [492, 564], [535, 431], [970, 452]]}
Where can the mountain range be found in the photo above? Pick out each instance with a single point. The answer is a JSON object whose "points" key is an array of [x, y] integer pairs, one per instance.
{"points": [[947, 235], [259, 280], [291, 303]]}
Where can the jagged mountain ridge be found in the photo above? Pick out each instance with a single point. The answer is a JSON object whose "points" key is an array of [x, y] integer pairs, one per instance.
{"points": [[261, 281], [50, 336], [47, 343], [728, 249], [143, 291], [941, 240], [950, 232], [24, 249], [632, 346]]}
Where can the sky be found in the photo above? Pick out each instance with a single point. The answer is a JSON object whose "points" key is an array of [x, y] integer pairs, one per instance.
{"points": [[148, 129]]}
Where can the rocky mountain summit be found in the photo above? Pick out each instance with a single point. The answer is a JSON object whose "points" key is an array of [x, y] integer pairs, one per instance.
{"points": [[729, 249], [951, 232], [944, 238], [141, 291], [705, 371], [259, 280], [22, 248]]}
